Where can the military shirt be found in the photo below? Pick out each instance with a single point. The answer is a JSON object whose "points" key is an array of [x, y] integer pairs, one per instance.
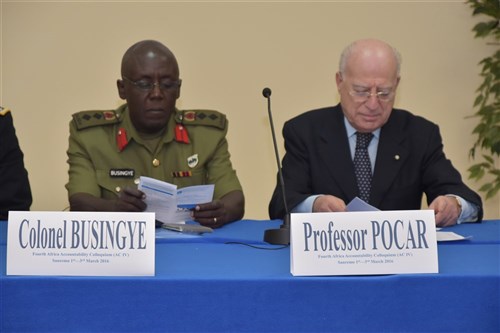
{"points": [[106, 153], [15, 193]]}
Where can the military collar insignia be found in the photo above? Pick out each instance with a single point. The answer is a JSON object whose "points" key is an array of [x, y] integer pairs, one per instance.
{"points": [[181, 133], [121, 138]]}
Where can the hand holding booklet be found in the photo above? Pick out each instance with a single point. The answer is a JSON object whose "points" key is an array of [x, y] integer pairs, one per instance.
{"points": [[170, 204]]}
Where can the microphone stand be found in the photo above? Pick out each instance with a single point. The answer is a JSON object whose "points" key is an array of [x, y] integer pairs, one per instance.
{"points": [[279, 236]]}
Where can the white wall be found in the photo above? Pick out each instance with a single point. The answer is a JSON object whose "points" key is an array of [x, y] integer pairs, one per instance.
{"points": [[58, 58]]}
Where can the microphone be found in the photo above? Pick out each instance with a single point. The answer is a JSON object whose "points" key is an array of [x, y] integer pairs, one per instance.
{"points": [[267, 93], [279, 236]]}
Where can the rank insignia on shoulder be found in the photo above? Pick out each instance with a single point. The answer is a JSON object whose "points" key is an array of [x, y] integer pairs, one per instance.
{"points": [[181, 174], [109, 115], [4, 111], [202, 118], [85, 119], [189, 116]]}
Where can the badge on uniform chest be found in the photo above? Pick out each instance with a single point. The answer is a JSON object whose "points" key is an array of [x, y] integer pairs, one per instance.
{"points": [[192, 162], [121, 173]]}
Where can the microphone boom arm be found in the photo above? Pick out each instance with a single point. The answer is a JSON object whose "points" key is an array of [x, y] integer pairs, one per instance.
{"points": [[279, 236]]}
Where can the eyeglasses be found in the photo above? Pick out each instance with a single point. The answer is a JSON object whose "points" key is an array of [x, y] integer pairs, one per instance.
{"points": [[363, 96], [146, 85]]}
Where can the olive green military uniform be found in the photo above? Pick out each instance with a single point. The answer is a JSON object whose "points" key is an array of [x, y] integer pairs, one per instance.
{"points": [[106, 153]]}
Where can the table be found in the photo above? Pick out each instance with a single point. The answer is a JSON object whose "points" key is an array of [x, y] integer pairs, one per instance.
{"points": [[204, 284]]}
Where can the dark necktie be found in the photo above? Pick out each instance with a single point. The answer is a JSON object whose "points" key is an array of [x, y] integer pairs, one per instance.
{"points": [[362, 165]]}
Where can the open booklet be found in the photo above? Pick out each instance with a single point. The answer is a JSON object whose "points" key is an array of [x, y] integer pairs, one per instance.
{"points": [[358, 205], [172, 205]]}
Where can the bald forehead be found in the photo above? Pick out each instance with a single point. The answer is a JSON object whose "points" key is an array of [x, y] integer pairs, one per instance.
{"points": [[370, 50], [144, 50]]}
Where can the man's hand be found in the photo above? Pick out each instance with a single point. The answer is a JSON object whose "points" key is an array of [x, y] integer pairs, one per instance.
{"points": [[129, 200], [328, 203], [446, 209], [211, 214], [219, 212]]}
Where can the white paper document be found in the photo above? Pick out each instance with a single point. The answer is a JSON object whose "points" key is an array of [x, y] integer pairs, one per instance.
{"points": [[448, 236], [170, 204], [358, 205]]}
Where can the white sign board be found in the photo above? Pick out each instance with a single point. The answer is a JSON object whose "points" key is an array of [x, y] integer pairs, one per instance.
{"points": [[363, 243], [81, 243]]}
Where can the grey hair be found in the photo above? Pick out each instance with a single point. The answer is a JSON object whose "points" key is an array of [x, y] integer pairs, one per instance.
{"points": [[349, 49]]}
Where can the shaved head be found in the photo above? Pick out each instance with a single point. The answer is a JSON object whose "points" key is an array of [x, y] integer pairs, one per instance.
{"points": [[149, 63], [146, 49]]}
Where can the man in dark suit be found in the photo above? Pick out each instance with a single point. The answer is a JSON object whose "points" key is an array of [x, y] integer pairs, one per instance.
{"points": [[15, 193], [404, 159]]}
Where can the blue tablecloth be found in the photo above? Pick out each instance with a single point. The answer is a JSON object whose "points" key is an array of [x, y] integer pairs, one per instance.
{"points": [[203, 284]]}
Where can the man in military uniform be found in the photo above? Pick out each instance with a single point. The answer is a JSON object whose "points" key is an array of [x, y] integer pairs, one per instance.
{"points": [[16, 191], [148, 136]]}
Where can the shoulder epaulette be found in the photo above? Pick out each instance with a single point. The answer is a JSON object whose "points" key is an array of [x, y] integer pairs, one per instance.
{"points": [[4, 111], [201, 117], [86, 119]]}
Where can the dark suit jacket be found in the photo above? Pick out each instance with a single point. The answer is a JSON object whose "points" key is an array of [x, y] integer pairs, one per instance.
{"points": [[15, 191], [410, 161]]}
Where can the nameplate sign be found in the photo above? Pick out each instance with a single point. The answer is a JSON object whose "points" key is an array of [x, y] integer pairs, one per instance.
{"points": [[81, 243], [363, 243]]}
